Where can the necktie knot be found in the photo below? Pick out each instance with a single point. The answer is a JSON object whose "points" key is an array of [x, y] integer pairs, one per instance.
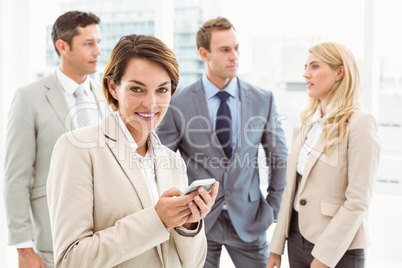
{"points": [[79, 92], [223, 95]]}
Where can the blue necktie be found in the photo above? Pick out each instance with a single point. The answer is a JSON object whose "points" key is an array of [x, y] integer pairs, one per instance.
{"points": [[224, 124]]}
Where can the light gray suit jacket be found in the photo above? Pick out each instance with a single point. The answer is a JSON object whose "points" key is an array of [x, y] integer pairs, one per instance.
{"points": [[38, 116], [187, 128]]}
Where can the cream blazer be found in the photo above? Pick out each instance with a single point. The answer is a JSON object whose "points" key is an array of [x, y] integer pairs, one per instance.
{"points": [[101, 209], [335, 191]]}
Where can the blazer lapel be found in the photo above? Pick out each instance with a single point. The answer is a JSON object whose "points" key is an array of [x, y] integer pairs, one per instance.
{"points": [[54, 94], [131, 165], [291, 169], [201, 110], [162, 163], [126, 158], [162, 177], [247, 112], [313, 156], [200, 104], [297, 143]]}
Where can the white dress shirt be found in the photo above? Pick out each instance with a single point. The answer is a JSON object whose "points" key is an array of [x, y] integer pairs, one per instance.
{"points": [[312, 138]]}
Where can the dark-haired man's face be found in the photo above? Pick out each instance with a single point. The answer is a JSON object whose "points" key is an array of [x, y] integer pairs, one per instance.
{"points": [[82, 57]]}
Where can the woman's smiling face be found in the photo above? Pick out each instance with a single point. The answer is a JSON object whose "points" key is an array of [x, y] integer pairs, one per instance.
{"points": [[143, 95]]}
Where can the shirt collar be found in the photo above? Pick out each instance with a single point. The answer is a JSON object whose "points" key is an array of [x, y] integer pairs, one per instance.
{"points": [[69, 85], [153, 140], [211, 89], [317, 115]]}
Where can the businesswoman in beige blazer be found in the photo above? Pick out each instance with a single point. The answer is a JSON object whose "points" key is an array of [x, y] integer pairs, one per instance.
{"points": [[113, 189], [331, 169]]}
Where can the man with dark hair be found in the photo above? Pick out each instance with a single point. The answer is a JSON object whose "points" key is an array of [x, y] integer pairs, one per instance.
{"points": [[218, 124], [67, 26], [39, 114]]}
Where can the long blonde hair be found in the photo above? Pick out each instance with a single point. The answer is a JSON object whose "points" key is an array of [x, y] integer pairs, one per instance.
{"points": [[343, 97]]}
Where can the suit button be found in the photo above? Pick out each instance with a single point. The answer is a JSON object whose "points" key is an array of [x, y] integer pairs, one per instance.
{"points": [[227, 193], [303, 202]]}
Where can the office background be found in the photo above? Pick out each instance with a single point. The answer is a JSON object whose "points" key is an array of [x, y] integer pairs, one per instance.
{"points": [[274, 38]]}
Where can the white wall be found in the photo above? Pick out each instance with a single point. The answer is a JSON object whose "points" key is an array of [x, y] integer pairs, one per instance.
{"points": [[14, 72], [3, 233]]}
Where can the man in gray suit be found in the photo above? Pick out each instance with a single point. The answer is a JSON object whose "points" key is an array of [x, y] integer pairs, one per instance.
{"points": [[218, 124], [39, 114]]}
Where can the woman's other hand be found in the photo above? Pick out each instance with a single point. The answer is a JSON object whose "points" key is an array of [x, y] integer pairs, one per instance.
{"points": [[274, 260], [317, 264]]}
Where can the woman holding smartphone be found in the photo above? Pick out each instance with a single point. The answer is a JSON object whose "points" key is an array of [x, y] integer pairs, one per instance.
{"points": [[114, 189]]}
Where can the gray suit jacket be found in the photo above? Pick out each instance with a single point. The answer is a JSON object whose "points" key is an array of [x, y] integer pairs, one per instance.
{"points": [[187, 128], [38, 116]]}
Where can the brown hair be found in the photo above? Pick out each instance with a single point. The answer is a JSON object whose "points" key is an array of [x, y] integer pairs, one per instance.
{"points": [[203, 38], [66, 25], [138, 47]]}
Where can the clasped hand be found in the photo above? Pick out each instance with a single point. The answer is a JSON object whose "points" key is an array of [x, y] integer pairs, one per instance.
{"points": [[175, 210], [275, 261]]}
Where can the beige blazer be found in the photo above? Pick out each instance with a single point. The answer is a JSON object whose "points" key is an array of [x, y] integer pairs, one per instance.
{"points": [[38, 116], [335, 191], [101, 209]]}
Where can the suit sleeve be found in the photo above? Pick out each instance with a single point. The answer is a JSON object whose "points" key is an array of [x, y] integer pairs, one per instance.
{"points": [[168, 131], [192, 252], [274, 145], [363, 159], [19, 168]]}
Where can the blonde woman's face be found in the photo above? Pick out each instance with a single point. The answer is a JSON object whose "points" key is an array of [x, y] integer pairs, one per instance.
{"points": [[320, 78]]}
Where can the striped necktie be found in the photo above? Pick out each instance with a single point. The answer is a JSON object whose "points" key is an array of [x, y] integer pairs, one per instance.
{"points": [[82, 112]]}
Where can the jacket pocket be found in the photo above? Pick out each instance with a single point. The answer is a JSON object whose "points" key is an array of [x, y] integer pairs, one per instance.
{"points": [[329, 209], [254, 194]]}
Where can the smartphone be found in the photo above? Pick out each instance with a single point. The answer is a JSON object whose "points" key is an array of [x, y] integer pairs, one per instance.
{"points": [[207, 183]]}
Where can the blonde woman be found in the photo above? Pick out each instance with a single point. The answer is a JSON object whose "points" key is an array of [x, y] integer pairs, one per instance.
{"points": [[331, 169]]}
